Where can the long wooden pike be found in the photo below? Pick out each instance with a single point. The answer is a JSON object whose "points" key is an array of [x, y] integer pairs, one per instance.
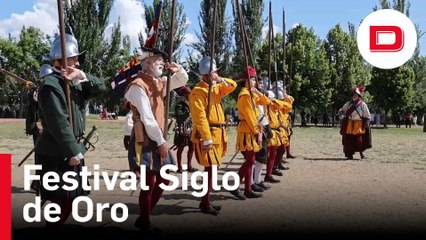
{"points": [[244, 41], [212, 53], [28, 84], [293, 42], [26, 157], [275, 52], [171, 38], [253, 62], [284, 31], [64, 62], [232, 159], [270, 45]]}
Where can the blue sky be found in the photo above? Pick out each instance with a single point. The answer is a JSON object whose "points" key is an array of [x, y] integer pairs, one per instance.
{"points": [[322, 15]]}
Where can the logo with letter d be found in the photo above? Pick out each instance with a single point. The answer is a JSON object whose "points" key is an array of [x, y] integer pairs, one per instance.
{"points": [[387, 39]]}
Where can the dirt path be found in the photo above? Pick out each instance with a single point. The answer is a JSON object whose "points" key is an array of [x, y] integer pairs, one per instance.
{"points": [[385, 193]]}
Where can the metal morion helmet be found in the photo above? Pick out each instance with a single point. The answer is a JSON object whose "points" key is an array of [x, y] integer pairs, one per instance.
{"points": [[204, 66], [71, 46], [270, 94], [280, 94], [266, 83], [45, 70]]}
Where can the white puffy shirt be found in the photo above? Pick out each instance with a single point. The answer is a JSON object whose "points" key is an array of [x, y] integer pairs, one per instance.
{"points": [[362, 109], [138, 98]]}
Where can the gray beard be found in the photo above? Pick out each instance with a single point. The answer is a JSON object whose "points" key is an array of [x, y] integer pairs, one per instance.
{"points": [[156, 72]]}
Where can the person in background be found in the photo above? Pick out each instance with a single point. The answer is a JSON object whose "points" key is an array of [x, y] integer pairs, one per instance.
{"points": [[183, 128], [249, 131], [128, 126], [408, 119], [355, 128]]}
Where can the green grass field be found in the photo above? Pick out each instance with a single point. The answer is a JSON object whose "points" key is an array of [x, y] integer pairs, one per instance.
{"points": [[391, 145], [321, 191]]}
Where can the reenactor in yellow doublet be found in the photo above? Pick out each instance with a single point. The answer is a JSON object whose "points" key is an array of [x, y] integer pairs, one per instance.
{"points": [[278, 138], [285, 107], [249, 131], [209, 135]]}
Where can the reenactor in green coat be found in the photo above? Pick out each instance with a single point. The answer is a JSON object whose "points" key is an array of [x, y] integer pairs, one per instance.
{"points": [[60, 147]]}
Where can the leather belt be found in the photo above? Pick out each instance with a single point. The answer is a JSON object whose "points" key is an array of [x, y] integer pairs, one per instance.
{"points": [[217, 125]]}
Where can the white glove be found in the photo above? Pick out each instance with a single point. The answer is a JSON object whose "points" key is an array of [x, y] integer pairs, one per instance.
{"points": [[75, 75], [81, 77]]}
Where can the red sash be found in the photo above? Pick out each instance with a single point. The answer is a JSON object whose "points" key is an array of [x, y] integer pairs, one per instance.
{"points": [[344, 121]]}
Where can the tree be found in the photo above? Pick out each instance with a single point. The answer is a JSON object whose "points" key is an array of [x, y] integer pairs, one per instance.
{"points": [[87, 21], [263, 54], [347, 67], [23, 58], [399, 5], [393, 89], [416, 64], [252, 19], [180, 27], [419, 66], [223, 40], [310, 71]]}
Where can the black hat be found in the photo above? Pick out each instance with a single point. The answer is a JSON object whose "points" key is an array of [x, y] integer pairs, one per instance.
{"points": [[145, 53]]}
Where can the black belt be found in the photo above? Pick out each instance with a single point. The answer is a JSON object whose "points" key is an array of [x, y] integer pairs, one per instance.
{"points": [[217, 125]]}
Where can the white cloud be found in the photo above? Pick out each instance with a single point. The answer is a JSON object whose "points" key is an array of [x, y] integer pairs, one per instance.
{"points": [[265, 30], [296, 25], [45, 17], [132, 19], [190, 38]]}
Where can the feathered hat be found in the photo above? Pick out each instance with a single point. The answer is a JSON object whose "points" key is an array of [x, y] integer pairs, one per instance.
{"points": [[359, 90]]}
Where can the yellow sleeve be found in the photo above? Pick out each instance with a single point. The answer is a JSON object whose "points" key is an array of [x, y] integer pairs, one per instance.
{"points": [[284, 106], [262, 100], [276, 105], [245, 109], [287, 107], [225, 90], [198, 115]]}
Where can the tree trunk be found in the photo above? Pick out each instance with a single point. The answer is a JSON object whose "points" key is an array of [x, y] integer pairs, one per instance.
{"points": [[23, 104], [385, 119], [333, 114], [424, 122]]}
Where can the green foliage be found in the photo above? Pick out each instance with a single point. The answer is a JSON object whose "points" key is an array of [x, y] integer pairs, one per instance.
{"points": [[252, 19], [392, 89], [310, 71], [347, 67], [21, 57], [163, 41], [419, 66], [399, 5], [406, 88], [263, 58], [223, 40], [229, 103], [87, 20]]}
